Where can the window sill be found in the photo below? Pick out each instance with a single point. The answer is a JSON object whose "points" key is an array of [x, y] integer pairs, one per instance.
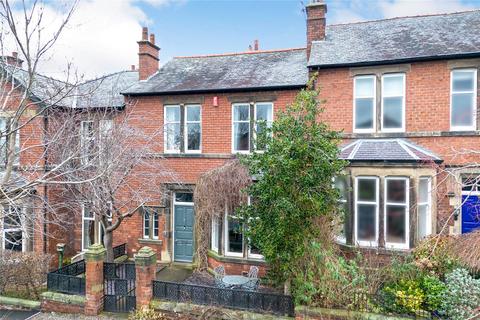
{"points": [[157, 242], [231, 259], [412, 134], [195, 155], [377, 250]]}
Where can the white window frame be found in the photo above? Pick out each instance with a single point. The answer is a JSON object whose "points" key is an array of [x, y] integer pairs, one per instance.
{"points": [[166, 122], [85, 141], [106, 128], [83, 225], [151, 223], [383, 96], [215, 234], [474, 98], [428, 204], [342, 239], [241, 121], [16, 229], [185, 128], [377, 205], [227, 252], [268, 122], [390, 245], [251, 255], [373, 129]]}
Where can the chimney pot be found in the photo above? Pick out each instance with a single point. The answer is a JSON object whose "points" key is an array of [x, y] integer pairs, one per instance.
{"points": [[152, 38], [132, 67], [144, 33], [255, 46], [250, 47], [148, 54]]}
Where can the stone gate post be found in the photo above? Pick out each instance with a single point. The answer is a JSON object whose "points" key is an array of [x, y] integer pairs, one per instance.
{"points": [[145, 268], [94, 258]]}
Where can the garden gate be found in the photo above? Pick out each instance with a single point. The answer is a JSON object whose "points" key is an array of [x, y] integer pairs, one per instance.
{"points": [[119, 287]]}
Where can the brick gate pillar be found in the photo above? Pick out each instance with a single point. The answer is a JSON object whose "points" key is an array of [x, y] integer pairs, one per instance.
{"points": [[94, 258], [145, 268]]}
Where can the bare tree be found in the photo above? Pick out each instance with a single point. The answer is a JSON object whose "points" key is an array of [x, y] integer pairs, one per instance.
{"points": [[111, 169]]}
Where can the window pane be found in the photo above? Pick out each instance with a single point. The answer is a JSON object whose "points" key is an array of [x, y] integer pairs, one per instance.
{"points": [[364, 87], [366, 222], [11, 220], [264, 111], [87, 213], [146, 223], [462, 109], [173, 114], [241, 136], [396, 224], [13, 241], [88, 233], [366, 190], [463, 80], [184, 197], [392, 112], [155, 223], [393, 85], [423, 190], [215, 234], [172, 130], [254, 249], [396, 190], [193, 136], [235, 236], [423, 221], [364, 113], [193, 113], [341, 185], [241, 112]]}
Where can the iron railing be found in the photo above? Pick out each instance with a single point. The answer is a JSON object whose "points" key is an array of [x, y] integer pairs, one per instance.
{"points": [[67, 280], [119, 250], [230, 298]]}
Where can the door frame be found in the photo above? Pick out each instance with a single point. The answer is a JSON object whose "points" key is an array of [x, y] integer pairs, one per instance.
{"points": [[175, 203]]}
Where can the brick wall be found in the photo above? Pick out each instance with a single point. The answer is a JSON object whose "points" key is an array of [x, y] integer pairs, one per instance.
{"points": [[240, 267]]}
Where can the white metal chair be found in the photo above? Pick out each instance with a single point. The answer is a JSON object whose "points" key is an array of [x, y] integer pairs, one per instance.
{"points": [[253, 283]]}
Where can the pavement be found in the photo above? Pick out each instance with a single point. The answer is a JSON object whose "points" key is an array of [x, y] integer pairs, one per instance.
{"points": [[17, 315]]}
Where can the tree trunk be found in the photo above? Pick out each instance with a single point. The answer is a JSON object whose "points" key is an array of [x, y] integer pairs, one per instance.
{"points": [[108, 243]]}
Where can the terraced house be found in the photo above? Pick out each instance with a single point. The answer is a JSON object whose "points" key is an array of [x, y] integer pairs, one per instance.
{"points": [[403, 91]]}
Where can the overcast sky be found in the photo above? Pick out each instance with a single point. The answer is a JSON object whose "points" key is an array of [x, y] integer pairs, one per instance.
{"points": [[101, 37]]}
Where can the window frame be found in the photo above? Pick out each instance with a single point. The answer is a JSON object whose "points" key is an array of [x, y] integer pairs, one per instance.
{"points": [[428, 204], [226, 240], [155, 217], [473, 127], [14, 230], [253, 136], [165, 131], [85, 141], [374, 115], [83, 225], [382, 97], [391, 245], [377, 207], [234, 105], [215, 235], [342, 238], [185, 127]]}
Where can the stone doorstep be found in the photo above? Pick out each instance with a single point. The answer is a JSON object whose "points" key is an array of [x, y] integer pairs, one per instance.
{"points": [[225, 314], [21, 303]]}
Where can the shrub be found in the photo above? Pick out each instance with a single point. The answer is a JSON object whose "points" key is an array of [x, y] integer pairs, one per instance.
{"points": [[433, 289], [433, 255], [403, 297], [146, 313], [461, 298], [25, 272]]}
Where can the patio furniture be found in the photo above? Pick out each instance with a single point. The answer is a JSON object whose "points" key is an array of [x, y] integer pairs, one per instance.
{"points": [[253, 281], [219, 273], [235, 281]]}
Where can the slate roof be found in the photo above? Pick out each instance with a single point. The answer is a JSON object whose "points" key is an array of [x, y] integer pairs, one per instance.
{"points": [[399, 39], [226, 72], [97, 93], [390, 150]]}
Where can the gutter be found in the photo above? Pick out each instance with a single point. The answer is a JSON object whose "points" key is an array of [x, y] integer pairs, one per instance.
{"points": [[394, 61]]}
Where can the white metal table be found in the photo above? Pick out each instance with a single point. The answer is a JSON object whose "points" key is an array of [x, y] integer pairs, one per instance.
{"points": [[235, 281]]}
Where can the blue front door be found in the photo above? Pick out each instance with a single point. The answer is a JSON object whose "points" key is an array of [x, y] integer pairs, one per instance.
{"points": [[183, 228], [470, 213]]}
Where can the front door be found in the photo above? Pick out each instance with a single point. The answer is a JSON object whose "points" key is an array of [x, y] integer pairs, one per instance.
{"points": [[470, 212], [183, 227]]}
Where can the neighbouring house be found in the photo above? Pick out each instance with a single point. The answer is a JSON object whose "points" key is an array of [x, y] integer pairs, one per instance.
{"points": [[403, 91]]}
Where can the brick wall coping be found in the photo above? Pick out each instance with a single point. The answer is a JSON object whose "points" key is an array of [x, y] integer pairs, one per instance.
{"points": [[302, 312], [218, 257], [146, 256], [194, 309], [17, 302], [96, 252], [63, 298]]}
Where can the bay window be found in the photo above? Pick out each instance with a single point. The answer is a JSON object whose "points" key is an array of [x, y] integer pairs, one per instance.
{"points": [[393, 102], [183, 128], [364, 104], [463, 99], [424, 207], [215, 234], [366, 211], [233, 236], [341, 184], [247, 118], [396, 208]]}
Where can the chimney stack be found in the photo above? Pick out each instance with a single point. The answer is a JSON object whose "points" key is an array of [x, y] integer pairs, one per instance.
{"points": [[13, 60], [148, 54], [316, 22]]}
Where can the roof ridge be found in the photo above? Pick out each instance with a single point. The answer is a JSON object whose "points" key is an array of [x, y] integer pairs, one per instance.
{"points": [[239, 53], [403, 17], [105, 76]]}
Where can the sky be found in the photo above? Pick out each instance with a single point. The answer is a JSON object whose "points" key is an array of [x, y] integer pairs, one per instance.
{"points": [[101, 35]]}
